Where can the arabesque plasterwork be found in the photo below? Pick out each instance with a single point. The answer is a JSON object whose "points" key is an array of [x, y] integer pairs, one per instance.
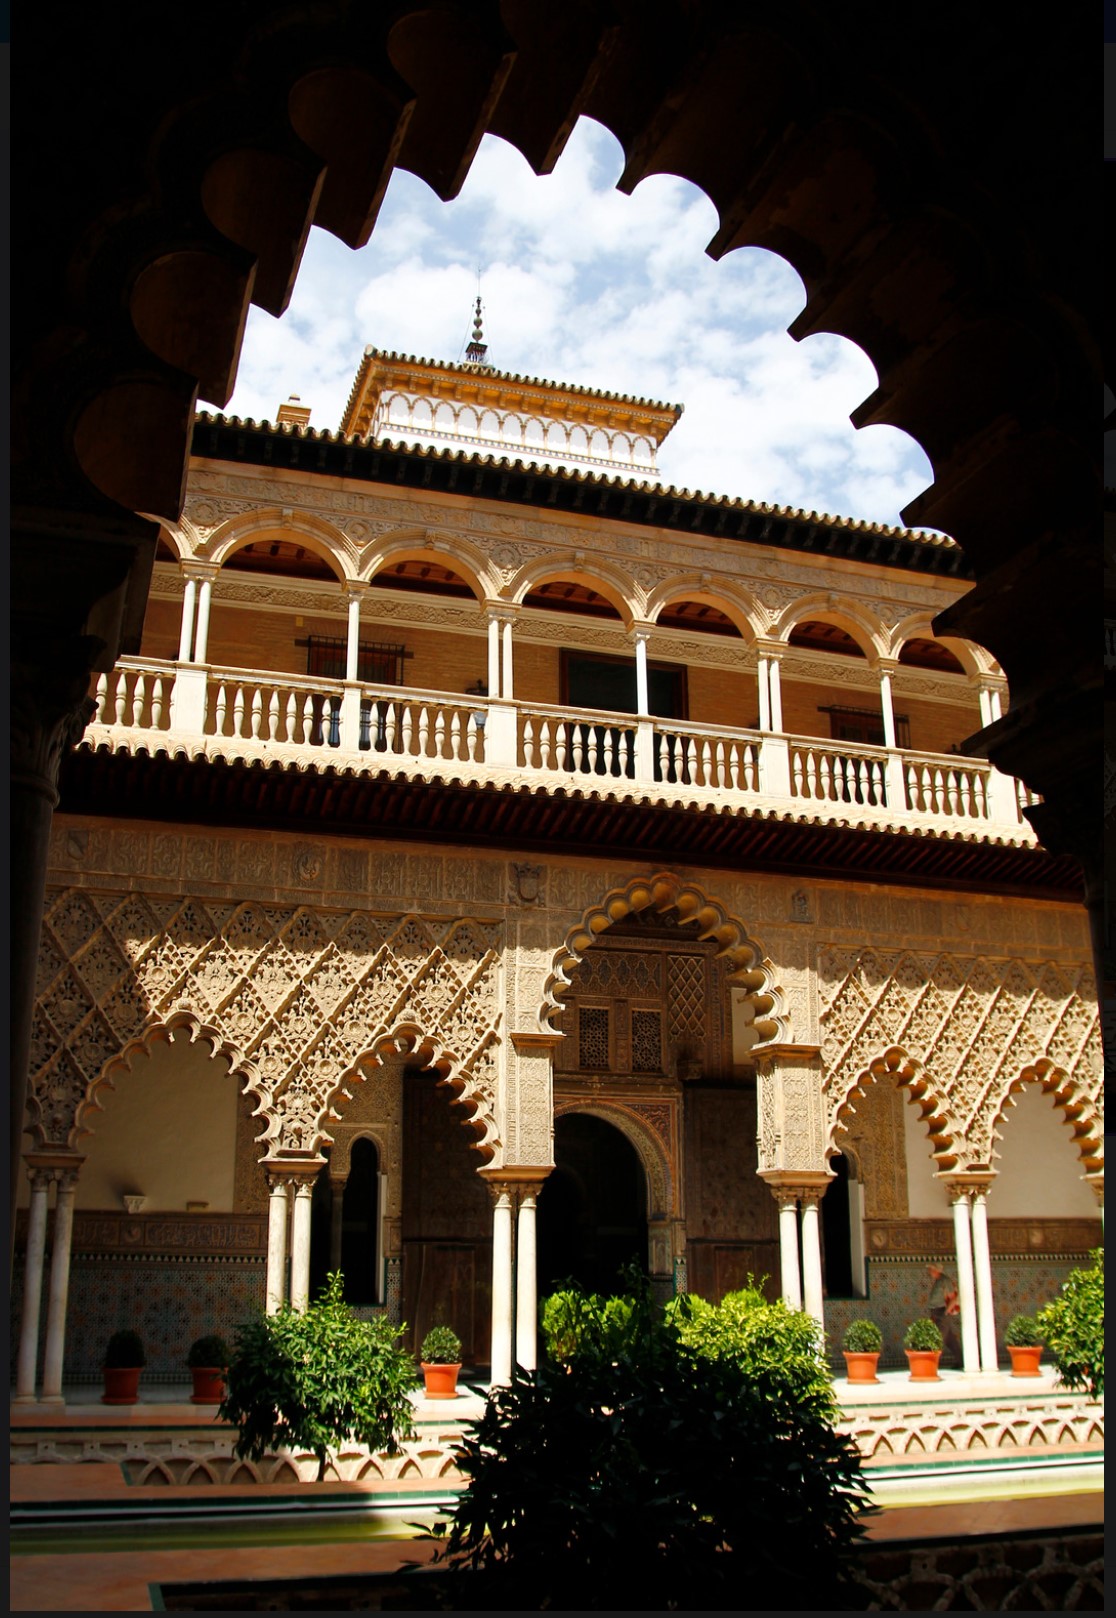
{"points": [[296, 998], [962, 1032]]}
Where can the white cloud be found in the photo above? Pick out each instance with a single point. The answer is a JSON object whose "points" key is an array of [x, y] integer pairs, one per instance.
{"points": [[583, 284]]}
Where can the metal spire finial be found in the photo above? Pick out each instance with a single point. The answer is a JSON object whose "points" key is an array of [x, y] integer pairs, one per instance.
{"points": [[478, 348]]}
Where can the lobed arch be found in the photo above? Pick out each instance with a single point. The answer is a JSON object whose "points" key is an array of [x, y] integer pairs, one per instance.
{"points": [[157, 1031], [896, 1065], [411, 545], [722, 595], [658, 1176], [326, 540], [608, 580], [763, 1012], [1080, 1111], [868, 632]]}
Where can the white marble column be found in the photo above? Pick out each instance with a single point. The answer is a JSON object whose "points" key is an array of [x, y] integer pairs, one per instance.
{"points": [[59, 1287], [982, 1264], [966, 1287], [336, 1220], [186, 636], [352, 645], [887, 708], [811, 1257], [526, 1280], [789, 1275], [493, 655], [643, 698], [984, 698], [201, 638], [776, 695], [275, 1286], [27, 1362], [763, 690], [507, 681], [300, 1245], [502, 1201]]}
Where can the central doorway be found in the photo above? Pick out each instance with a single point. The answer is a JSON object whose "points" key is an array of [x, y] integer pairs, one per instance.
{"points": [[592, 1215]]}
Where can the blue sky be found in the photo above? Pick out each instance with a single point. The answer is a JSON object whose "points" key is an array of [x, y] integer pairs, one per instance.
{"points": [[584, 285]]}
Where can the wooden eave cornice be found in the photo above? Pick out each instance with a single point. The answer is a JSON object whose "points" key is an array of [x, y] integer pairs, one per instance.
{"points": [[250, 443], [565, 822], [379, 371]]}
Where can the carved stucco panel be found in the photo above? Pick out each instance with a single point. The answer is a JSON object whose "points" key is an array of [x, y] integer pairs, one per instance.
{"points": [[973, 1025], [294, 997]]}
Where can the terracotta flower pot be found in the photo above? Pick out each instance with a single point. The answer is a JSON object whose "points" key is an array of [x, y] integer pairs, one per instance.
{"points": [[1025, 1361], [861, 1367], [209, 1384], [924, 1364], [440, 1380], [121, 1384]]}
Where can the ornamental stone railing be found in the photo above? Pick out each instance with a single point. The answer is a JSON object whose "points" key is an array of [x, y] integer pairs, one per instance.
{"points": [[256, 715]]}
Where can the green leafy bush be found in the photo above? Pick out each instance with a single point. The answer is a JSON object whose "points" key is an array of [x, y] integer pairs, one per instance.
{"points": [[862, 1337], [440, 1346], [313, 1380], [577, 1322], [209, 1353], [1023, 1331], [1073, 1328], [125, 1351], [923, 1335], [667, 1459]]}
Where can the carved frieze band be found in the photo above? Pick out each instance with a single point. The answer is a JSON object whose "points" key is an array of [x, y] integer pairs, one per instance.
{"points": [[165, 1235], [1041, 1237]]}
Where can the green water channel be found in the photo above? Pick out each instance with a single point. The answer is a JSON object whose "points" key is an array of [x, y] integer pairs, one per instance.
{"points": [[212, 1531]]}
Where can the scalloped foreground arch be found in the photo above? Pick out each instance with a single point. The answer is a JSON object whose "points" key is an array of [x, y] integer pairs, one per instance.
{"points": [[764, 1015], [296, 998]]}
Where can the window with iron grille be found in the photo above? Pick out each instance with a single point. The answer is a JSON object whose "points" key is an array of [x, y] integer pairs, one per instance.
{"points": [[592, 1037], [647, 1042], [865, 725], [378, 662]]}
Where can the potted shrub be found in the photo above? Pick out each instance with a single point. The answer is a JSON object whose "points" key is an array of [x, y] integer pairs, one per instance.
{"points": [[923, 1343], [1023, 1338], [861, 1346], [124, 1360], [208, 1360], [440, 1358]]}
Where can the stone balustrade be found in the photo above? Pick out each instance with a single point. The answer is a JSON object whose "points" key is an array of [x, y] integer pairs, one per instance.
{"points": [[257, 715]]}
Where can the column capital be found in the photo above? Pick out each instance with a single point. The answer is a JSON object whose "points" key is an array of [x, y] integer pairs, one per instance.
{"points": [[887, 665], [771, 649], [192, 568], [296, 1171], [501, 612], [967, 1182], [641, 629], [355, 587], [788, 1185], [535, 1041], [50, 708]]}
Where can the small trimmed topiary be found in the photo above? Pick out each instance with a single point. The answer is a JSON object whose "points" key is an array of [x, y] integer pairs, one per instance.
{"points": [[923, 1337], [210, 1353], [440, 1346], [1023, 1331], [862, 1337], [125, 1352]]}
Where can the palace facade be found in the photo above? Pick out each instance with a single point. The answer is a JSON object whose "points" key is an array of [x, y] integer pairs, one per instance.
{"points": [[496, 866]]}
